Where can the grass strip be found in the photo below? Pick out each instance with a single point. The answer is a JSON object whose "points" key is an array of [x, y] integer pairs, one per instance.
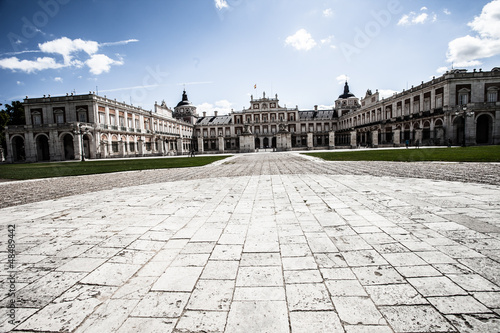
{"points": [[74, 168], [454, 154]]}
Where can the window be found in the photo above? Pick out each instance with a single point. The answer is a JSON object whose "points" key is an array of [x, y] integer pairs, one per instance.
{"points": [[129, 122], [131, 146], [59, 116], [112, 119], [36, 118], [492, 94], [102, 118], [439, 101], [122, 121], [114, 146], [463, 98], [82, 116], [137, 123]]}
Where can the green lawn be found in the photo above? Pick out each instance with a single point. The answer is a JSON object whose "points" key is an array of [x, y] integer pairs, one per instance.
{"points": [[62, 169], [455, 154]]}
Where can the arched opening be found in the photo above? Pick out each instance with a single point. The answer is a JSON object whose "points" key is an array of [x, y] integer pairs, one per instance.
{"points": [[42, 148], [483, 129], [69, 149], [273, 142], [257, 143], [18, 152], [266, 143]]}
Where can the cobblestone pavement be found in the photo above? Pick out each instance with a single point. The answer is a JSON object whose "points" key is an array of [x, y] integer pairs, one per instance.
{"points": [[15, 193], [258, 243]]}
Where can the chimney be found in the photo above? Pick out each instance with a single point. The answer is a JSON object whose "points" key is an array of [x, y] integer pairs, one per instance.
{"points": [[204, 114], [215, 113], [315, 108]]}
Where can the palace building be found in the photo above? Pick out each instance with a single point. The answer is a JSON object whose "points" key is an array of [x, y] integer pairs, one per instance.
{"points": [[460, 107]]}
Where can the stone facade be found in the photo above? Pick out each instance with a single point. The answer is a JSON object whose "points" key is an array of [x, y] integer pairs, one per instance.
{"points": [[459, 107]]}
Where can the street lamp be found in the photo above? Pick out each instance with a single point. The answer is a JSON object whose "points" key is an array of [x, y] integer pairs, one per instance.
{"points": [[82, 130], [464, 112]]}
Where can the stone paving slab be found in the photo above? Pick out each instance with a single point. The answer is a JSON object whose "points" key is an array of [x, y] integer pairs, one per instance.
{"points": [[257, 252]]}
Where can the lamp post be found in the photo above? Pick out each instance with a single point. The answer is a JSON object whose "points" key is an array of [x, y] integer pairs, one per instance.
{"points": [[464, 112], [82, 130]]}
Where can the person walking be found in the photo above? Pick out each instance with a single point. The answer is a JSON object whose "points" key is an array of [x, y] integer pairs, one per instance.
{"points": [[407, 142]]}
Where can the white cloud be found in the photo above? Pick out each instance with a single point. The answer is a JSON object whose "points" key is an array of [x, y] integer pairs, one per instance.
{"points": [[420, 18], [446, 11], [342, 78], [301, 40], [121, 42], [30, 66], [413, 18], [385, 93], [222, 107], [71, 51], [468, 50], [100, 63], [220, 4], [488, 23], [67, 47], [20, 83], [328, 12], [58, 79], [442, 70], [327, 40]]}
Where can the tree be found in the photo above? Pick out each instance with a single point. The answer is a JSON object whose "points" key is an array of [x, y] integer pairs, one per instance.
{"points": [[10, 115]]}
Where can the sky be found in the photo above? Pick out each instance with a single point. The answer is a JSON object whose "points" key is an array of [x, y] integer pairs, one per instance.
{"points": [[224, 51]]}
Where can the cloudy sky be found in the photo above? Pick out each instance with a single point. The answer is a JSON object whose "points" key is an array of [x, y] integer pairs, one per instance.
{"points": [[146, 51]]}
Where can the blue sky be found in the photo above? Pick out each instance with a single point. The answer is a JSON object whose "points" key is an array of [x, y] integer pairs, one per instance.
{"points": [[146, 51]]}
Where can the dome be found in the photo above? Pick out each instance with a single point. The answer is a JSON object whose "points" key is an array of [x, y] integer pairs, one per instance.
{"points": [[185, 101], [346, 93]]}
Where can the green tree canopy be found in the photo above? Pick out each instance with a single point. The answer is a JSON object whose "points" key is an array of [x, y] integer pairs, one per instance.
{"points": [[12, 114]]}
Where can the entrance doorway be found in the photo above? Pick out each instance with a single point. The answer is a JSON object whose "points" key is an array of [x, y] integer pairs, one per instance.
{"points": [[42, 148], [69, 149], [483, 129]]}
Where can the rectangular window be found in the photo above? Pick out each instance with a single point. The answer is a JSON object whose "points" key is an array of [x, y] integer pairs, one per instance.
{"points": [[82, 117], [492, 97], [60, 118], [129, 122], [102, 118], [464, 99], [37, 119], [439, 101], [114, 146], [122, 121], [112, 120], [137, 123]]}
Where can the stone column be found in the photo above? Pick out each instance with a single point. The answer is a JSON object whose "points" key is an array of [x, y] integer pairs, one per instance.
{"points": [[354, 142], [180, 147], [396, 137], [77, 146], [200, 144], [470, 131], [54, 146], [121, 148], [247, 143], [140, 147], [310, 143], [375, 139], [331, 139], [221, 144], [418, 136]]}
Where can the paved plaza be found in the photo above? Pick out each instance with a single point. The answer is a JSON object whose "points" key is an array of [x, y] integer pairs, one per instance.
{"points": [[268, 242]]}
